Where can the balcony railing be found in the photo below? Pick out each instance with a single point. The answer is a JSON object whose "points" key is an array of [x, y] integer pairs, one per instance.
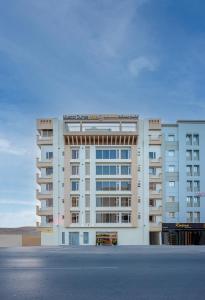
{"points": [[44, 196], [46, 179], [43, 164], [155, 140], [47, 211], [48, 140]]}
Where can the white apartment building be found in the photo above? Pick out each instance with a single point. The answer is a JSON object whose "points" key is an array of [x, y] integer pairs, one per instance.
{"points": [[99, 180]]}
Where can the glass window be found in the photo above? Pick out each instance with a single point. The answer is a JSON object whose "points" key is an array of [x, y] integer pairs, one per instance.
{"points": [[114, 170], [197, 217], [87, 217], [171, 168], [171, 199], [171, 153], [196, 201], [98, 170], [196, 170], [49, 187], [196, 139], [106, 170], [196, 154], [125, 154], [152, 171], [189, 201], [49, 155], [152, 155], [85, 238], [171, 183], [74, 201], [75, 169], [106, 154], [75, 217], [49, 171], [125, 185], [99, 154], [113, 154], [74, 185], [126, 218], [125, 201], [99, 185], [189, 186], [188, 139], [113, 186], [171, 137], [125, 170], [87, 200], [196, 186], [189, 170], [189, 215], [75, 153]]}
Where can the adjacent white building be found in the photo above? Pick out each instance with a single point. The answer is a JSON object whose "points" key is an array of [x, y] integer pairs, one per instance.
{"points": [[99, 180]]}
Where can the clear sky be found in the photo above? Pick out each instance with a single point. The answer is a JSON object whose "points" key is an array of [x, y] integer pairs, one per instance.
{"points": [[90, 56]]}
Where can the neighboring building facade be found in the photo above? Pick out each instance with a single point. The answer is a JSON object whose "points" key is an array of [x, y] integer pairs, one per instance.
{"points": [[184, 182], [100, 179]]}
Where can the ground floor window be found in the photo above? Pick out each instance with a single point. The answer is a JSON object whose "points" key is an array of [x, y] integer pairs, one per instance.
{"points": [[85, 237], [63, 237]]}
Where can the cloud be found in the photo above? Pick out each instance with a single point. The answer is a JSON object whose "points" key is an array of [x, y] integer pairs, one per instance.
{"points": [[16, 202], [17, 219], [7, 147], [142, 63]]}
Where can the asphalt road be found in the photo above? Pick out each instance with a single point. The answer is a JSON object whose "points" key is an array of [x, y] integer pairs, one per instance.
{"points": [[102, 273]]}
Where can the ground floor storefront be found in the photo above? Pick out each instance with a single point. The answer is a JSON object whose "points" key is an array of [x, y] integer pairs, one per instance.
{"points": [[183, 233]]}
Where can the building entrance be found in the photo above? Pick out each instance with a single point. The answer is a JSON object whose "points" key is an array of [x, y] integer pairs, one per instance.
{"points": [[106, 238], [183, 234]]}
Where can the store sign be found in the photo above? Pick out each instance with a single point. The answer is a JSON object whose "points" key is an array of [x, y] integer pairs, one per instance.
{"points": [[98, 117], [166, 226]]}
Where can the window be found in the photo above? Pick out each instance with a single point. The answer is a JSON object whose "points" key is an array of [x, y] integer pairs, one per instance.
{"points": [[189, 170], [188, 139], [125, 170], [47, 133], [171, 214], [189, 201], [126, 201], [171, 168], [75, 217], [107, 154], [171, 137], [189, 186], [107, 201], [196, 154], [171, 184], [189, 216], [152, 171], [125, 185], [196, 186], [49, 187], [125, 154], [85, 238], [87, 200], [197, 217], [75, 169], [87, 216], [126, 217], [188, 154], [152, 186], [49, 171], [74, 185], [49, 155], [196, 139], [63, 237], [87, 169], [75, 153], [152, 155], [196, 201], [87, 184], [104, 217], [171, 199], [196, 170], [74, 201], [49, 219], [87, 152], [171, 153]]}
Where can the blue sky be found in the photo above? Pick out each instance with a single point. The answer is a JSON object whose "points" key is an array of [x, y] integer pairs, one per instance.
{"points": [[118, 56]]}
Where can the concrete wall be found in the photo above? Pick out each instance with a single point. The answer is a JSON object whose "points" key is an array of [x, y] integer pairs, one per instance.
{"points": [[10, 240]]}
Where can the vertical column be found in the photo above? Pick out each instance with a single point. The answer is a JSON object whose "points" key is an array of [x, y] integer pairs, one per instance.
{"points": [[134, 184]]}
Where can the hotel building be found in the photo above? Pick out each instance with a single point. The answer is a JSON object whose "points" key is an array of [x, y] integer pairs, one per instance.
{"points": [[99, 180], [183, 150]]}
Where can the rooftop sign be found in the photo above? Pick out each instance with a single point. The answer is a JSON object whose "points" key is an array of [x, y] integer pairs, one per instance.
{"points": [[98, 117]]}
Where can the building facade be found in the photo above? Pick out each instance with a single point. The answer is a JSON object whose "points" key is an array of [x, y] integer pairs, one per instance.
{"points": [[99, 180], [183, 151]]}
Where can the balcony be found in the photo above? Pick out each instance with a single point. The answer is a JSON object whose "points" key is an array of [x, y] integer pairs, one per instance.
{"points": [[46, 211], [155, 162], [155, 194], [43, 164], [155, 178], [44, 227], [41, 180], [155, 140], [44, 196], [155, 210], [48, 140], [155, 226]]}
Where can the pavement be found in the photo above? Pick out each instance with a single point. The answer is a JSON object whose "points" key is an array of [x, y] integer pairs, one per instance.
{"points": [[86, 273]]}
